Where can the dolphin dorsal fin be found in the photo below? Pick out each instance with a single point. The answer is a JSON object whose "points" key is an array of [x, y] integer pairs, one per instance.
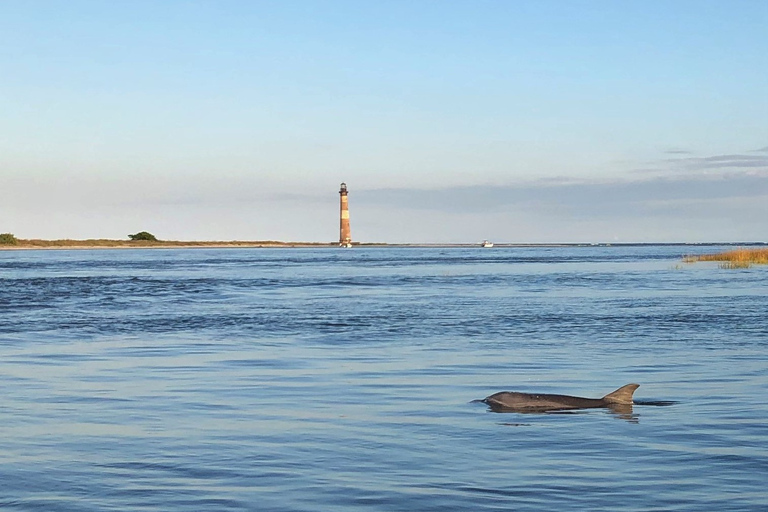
{"points": [[623, 395]]}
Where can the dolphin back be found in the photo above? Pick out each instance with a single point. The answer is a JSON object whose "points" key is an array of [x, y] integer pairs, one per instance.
{"points": [[622, 396]]}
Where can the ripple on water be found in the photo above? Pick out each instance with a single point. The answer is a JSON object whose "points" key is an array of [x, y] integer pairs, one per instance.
{"points": [[315, 379]]}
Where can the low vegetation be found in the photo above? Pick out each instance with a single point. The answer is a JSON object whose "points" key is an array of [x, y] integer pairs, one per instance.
{"points": [[143, 236], [738, 258], [95, 243], [8, 239]]}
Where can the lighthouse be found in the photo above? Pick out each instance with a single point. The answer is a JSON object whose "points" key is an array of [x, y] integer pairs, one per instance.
{"points": [[345, 238]]}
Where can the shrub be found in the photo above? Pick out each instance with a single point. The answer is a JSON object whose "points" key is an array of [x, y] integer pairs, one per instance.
{"points": [[8, 239], [143, 235]]}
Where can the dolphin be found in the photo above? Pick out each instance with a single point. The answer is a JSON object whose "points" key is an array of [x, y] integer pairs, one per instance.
{"points": [[509, 401]]}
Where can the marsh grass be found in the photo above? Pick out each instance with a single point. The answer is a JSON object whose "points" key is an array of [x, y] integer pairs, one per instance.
{"points": [[739, 258]]}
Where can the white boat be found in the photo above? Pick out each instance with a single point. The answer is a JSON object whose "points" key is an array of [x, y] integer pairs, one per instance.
{"points": [[486, 243]]}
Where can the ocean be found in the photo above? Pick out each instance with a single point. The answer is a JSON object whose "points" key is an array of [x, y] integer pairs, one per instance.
{"points": [[342, 379]]}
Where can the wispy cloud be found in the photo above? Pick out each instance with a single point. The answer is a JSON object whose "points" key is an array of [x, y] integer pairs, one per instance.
{"points": [[723, 162], [582, 198], [712, 165]]}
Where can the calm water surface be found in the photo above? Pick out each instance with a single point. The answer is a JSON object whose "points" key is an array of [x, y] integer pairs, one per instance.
{"points": [[329, 379]]}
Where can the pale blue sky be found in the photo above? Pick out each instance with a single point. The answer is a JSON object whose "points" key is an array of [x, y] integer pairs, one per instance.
{"points": [[537, 121]]}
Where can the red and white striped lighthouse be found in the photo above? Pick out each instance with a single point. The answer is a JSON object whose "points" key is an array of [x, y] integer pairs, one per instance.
{"points": [[345, 238]]}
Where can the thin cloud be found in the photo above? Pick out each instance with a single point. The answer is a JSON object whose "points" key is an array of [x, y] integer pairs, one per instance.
{"points": [[739, 161], [585, 198], [713, 165]]}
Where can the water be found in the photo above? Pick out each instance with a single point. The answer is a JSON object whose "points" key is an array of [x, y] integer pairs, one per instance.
{"points": [[328, 379]]}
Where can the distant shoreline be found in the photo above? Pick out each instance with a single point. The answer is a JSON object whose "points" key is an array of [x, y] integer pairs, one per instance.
{"points": [[161, 244], [238, 244]]}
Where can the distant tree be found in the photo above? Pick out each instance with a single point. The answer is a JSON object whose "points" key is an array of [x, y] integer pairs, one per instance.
{"points": [[143, 235], [8, 239]]}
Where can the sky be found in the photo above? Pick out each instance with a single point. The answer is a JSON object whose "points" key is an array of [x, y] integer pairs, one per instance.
{"points": [[450, 121]]}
